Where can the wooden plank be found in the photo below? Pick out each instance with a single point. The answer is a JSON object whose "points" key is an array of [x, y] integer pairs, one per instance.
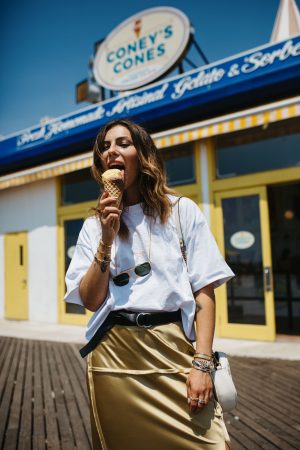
{"points": [[12, 429], [260, 414], [5, 365], [24, 441], [261, 434], [52, 435], [38, 432], [268, 429], [272, 392], [76, 412], [265, 409], [12, 363], [249, 386], [5, 343], [76, 397], [79, 372], [285, 425], [82, 362], [43, 391], [247, 436], [65, 430]]}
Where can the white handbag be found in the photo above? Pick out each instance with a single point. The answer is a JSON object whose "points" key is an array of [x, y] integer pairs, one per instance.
{"points": [[224, 388]]}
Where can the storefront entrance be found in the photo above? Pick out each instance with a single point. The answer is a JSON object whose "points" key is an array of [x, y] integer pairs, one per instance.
{"points": [[259, 230], [247, 302]]}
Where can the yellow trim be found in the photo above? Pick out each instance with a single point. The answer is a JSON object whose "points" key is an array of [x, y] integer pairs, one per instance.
{"points": [[197, 158], [72, 210], [211, 175], [69, 212], [242, 331], [63, 317], [46, 171], [259, 178]]}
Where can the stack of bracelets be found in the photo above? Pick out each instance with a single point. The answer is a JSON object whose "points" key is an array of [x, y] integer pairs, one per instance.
{"points": [[102, 256], [205, 363]]}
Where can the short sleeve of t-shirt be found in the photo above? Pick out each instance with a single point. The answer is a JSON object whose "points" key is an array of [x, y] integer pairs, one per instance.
{"points": [[205, 263], [81, 261]]}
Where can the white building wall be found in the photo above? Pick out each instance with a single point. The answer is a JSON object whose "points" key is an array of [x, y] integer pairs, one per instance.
{"points": [[32, 208], [1, 272]]}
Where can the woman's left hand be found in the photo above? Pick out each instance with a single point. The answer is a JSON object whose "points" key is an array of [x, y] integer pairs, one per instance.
{"points": [[199, 389]]}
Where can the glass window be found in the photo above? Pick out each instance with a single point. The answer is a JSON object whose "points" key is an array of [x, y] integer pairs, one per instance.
{"points": [[77, 187], [243, 250], [179, 163], [266, 154], [71, 231]]}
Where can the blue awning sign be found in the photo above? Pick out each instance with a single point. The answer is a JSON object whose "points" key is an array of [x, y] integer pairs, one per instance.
{"points": [[260, 68]]}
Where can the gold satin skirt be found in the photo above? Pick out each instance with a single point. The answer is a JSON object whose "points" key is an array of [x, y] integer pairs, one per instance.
{"points": [[136, 380]]}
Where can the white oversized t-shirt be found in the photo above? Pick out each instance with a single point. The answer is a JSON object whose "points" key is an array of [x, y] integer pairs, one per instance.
{"points": [[170, 284]]}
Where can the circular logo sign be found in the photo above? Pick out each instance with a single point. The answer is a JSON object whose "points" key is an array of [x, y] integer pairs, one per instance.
{"points": [[242, 240], [141, 49]]}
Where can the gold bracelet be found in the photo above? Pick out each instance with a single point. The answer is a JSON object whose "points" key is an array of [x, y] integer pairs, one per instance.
{"points": [[102, 257], [203, 356], [103, 251], [105, 245]]}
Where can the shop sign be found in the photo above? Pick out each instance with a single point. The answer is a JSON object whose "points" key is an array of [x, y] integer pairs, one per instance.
{"points": [[141, 49], [197, 85], [242, 240]]}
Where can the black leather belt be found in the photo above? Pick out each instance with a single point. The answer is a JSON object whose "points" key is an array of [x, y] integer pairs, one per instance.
{"points": [[129, 318]]}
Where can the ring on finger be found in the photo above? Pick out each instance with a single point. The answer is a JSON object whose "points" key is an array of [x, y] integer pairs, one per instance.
{"points": [[193, 399]]}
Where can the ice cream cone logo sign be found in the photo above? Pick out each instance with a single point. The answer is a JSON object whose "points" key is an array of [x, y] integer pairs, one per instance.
{"points": [[137, 27], [142, 48]]}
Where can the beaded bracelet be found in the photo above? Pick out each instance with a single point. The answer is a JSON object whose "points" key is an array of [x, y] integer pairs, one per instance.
{"points": [[103, 250], [203, 366], [105, 245]]}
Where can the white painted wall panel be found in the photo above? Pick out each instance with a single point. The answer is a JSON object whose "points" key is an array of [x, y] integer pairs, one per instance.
{"points": [[32, 208]]}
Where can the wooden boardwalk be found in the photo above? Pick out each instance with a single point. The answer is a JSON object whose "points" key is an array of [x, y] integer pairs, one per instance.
{"points": [[44, 403]]}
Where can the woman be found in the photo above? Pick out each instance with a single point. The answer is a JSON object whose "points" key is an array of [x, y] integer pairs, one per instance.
{"points": [[148, 388]]}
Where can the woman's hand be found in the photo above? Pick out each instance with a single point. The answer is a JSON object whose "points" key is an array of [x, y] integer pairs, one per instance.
{"points": [[109, 217], [199, 387]]}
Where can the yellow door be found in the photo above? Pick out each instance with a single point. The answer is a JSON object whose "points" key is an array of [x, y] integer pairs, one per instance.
{"points": [[246, 304], [16, 277]]}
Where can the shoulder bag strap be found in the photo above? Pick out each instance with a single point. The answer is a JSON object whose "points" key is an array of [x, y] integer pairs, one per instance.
{"points": [[179, 229]]}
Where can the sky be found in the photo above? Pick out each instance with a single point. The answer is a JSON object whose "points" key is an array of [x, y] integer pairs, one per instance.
{"points": [[45, 45]]}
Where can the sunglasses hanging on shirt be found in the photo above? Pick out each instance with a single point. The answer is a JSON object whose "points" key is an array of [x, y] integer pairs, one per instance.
{"points": [[140, 270]]}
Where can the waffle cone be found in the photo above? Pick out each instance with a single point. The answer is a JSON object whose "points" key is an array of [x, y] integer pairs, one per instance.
{"points": [[113, 183]]}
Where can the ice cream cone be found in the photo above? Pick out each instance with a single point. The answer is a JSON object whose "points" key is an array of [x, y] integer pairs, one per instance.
{"points": [[114, 184]]}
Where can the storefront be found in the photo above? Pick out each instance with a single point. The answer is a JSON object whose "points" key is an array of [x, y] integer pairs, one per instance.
{"points": [[229, 134]]}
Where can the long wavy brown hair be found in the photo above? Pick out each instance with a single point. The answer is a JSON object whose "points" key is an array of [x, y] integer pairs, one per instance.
{"points": [[151, 177]]}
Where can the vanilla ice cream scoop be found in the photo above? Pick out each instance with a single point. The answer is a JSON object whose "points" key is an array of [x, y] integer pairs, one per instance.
{"points": [[114, 183]]}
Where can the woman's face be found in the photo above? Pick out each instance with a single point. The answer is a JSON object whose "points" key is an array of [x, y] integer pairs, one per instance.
{"points": [[120, 153]]}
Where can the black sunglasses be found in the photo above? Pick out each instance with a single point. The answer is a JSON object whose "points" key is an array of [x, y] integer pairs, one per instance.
{"points": [[141, 271]]}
